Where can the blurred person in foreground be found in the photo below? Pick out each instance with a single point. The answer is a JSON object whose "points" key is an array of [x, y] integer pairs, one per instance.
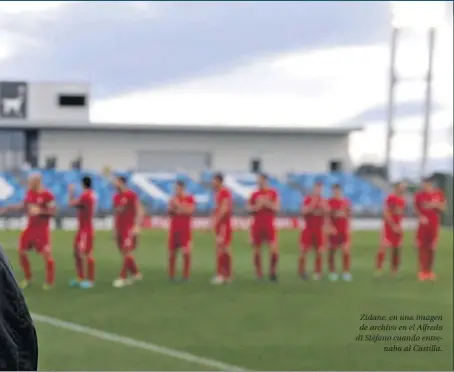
{"points": [[84, 238], [222, 223], [181, 208], [392, 233], [39, 205], [315, 214], [263, 206], [429, 203], [339, 234], [18, 341], [129, 215]]}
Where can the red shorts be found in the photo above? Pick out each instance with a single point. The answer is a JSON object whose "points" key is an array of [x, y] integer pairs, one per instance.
{"points": [[126, 241], [223, 235], [427, 236], [339, 239], [312, 239], [391, 239], [83, 241], [263, 235], [39, 240], [180, 239]]}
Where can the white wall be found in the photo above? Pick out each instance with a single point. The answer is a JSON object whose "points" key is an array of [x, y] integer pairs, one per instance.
{"points": [[231, 152]]}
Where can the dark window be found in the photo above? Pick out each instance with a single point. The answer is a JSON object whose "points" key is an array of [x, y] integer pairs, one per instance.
{"points": [[335, 166], [71, 100], [256, 166]]}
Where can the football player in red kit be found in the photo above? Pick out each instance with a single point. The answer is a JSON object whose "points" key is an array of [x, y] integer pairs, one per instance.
{"points": [[223, 230], [128, 220], [39, 205], [392, 234], [429, 203], [339, 233], [181, 208], [315, 213], [263, 205], [84, 238]]}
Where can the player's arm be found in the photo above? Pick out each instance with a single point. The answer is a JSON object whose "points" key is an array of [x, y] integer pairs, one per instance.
{"points": [[188, 207], [140, 214], [172, 208], [387, 215], [223, 210], [442, 204], [273, 203], [49, 210], [418, 209], [308, 206], [252, 205], [73, 200], [328, 222]]}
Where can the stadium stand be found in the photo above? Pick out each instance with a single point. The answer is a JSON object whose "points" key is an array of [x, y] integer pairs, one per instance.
{"points": [[154, 189]]}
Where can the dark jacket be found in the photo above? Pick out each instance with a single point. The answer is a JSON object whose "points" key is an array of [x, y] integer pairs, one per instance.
{"points": [[18, 341]]}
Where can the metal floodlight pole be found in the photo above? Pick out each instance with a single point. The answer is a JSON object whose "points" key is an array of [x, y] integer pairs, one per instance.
{"points": [[428, 104], [391, 99]]}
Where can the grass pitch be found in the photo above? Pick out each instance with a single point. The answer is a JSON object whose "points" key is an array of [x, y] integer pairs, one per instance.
{"points": [[291, 325]]}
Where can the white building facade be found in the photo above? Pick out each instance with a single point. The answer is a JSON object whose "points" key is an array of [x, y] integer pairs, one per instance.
{"points": [[195, 149]]}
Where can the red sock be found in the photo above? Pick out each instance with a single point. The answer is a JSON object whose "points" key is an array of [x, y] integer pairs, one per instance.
{"points": [[395, 259], [219, 264], [273, 263], [124, 269], [50, 270], [318, 263], [25, 265], [132, 265], [91, 268], [380, 259], [186, 265], [227, 265], [172, 264], [346, 261], [79, 261], [422, 259], [331, 261], [430, 259], [258, 263], [302, 264]]}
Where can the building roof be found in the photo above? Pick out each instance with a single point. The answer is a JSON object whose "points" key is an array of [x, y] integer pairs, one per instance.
{"points": [[285, 129]]}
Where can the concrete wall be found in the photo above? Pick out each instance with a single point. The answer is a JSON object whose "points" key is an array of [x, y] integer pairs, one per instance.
{"points": [[229, 152]]}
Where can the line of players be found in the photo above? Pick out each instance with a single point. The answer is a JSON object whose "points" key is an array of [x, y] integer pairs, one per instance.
{"points": [[326, 227]]}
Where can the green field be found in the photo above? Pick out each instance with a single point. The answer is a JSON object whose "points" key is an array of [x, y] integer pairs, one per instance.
{"points": [[291, 325]]}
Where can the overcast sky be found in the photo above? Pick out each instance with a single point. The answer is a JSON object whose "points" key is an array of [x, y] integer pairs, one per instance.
{"points": [[260, 63]]}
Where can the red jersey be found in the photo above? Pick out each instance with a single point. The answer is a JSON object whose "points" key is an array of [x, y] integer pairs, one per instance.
{"points": [[339, 210], [86, 209], [126, 207], [395, 206], [264, 216], [423, 199], [179, 222], [316, 218], [42, 199], [223, 196]]}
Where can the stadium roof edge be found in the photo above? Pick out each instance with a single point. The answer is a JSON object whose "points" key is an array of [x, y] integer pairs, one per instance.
{"points": [[10, 124]]}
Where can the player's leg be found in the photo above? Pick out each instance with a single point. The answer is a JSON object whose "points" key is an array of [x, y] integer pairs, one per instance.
{"points": [[381, 254], [89, 260], [305, 246], [133, 267], [333, 247], [24, 247], [318, 244], [431, 249], [223, 255], [274, 252], [78, 247], [44, 247], [186, 249], [346, 258], [226, 247], [256, 243], [122, 245], [422, 245], [173, 246], [395, 254]]}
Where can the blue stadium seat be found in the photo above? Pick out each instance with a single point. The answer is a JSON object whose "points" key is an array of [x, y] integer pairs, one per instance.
{"points": [[364, 196]]}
